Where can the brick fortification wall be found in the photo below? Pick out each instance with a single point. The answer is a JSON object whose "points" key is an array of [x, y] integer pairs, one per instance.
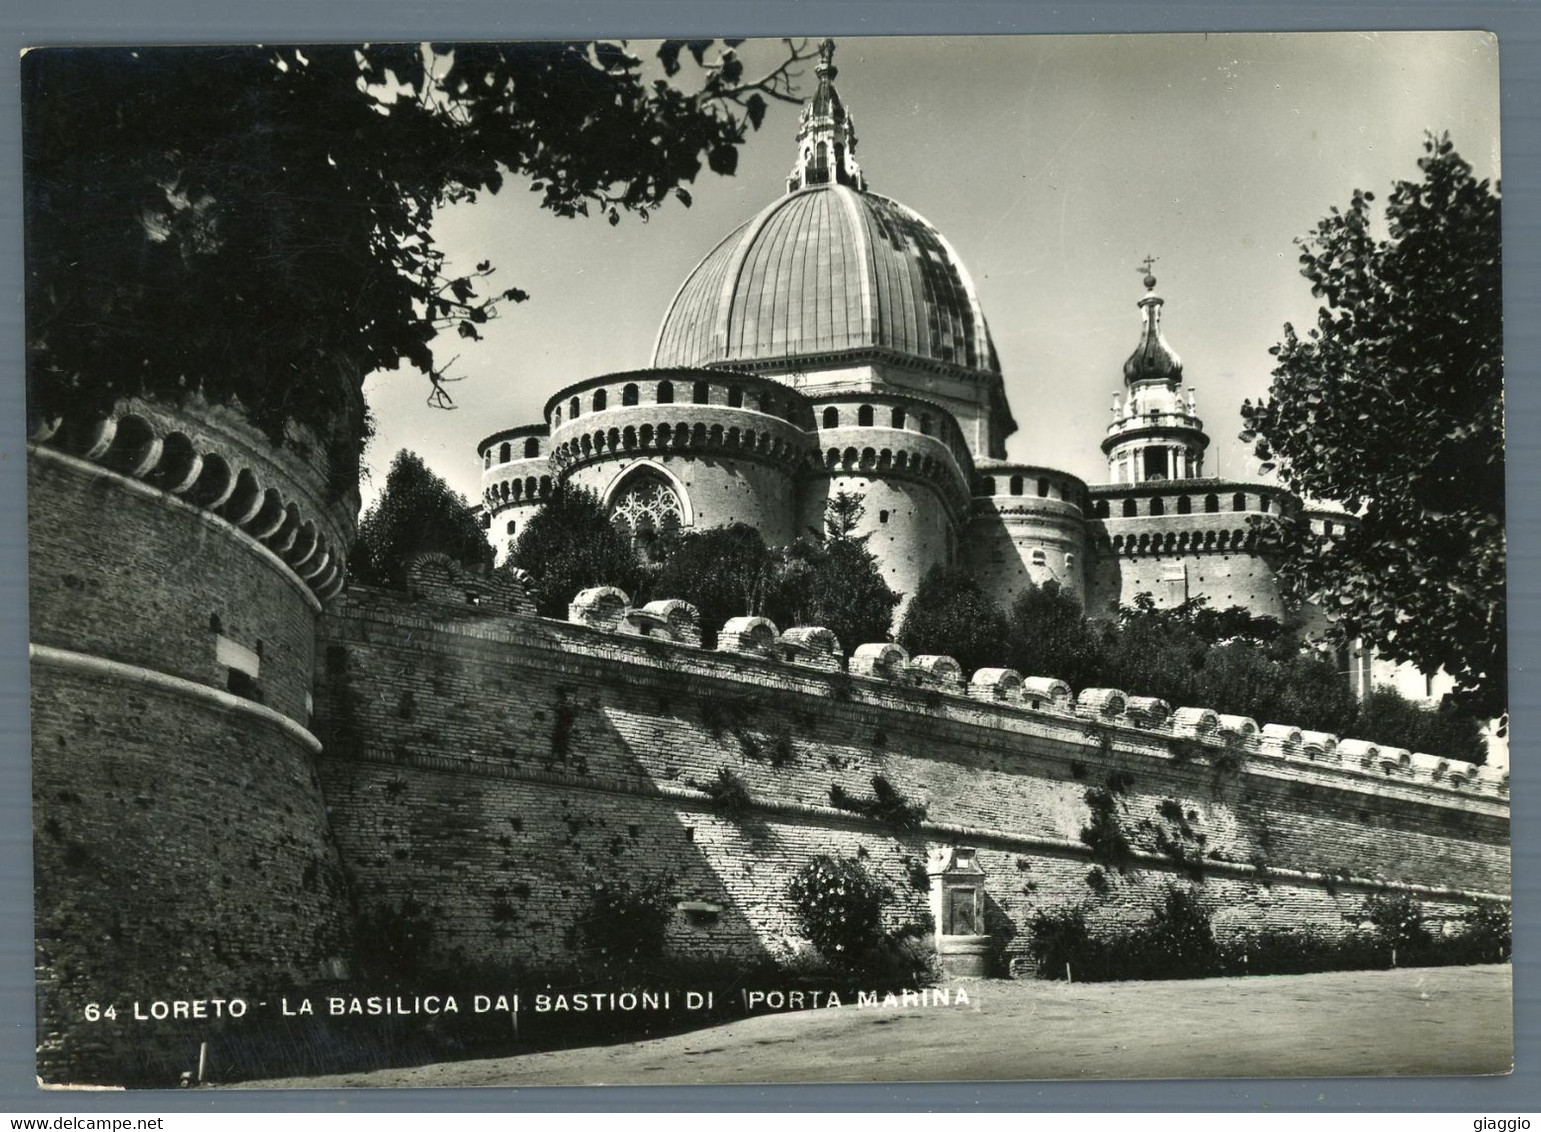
{"points": [[488, 767], [180, 844]]}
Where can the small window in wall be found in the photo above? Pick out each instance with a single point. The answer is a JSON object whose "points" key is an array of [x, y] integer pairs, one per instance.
{"points": [[1239, 501], [1157, 505], [1016, 485], [601, 400], [1184, 505], [1100, 508], [504, 454], [987, 486], [531, 447], [735, 398], [1131, 509], [573, 409], [897, 420], [1155, 464], [629, 394], [511, 525], [1211, 504], [925, 423], [864, 417], [701, 394], [882, 516], [831, 417], [1043, 487], [666, 392]]}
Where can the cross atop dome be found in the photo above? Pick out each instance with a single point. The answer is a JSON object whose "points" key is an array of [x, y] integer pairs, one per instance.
{"points": [[826, 140]]}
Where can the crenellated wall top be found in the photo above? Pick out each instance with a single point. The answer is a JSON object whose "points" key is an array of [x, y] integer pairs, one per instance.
{"points": [[1184, 731]]}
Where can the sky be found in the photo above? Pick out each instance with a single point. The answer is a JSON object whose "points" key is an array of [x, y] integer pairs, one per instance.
{"points": [[1053, 165]]}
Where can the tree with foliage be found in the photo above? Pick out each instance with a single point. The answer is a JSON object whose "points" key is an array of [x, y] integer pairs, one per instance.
{"points": [[1393, 406], [839, 907], [569, 545], [416, 513], [951, 615], [832, 579], [1050, 636], [1395, 721], [724, 572], [255, 224]]}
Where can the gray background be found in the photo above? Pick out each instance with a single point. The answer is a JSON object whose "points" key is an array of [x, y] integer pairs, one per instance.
{"points": [[1518, 25]]}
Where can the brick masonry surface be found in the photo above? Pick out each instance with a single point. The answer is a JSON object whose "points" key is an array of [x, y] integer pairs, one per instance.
{"points": [[491, 768]]}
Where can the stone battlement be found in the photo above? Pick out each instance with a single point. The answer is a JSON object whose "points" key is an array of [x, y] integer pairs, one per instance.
{"points": [[809, 658]]}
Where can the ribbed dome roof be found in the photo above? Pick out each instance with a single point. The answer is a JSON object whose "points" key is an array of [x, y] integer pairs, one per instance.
{"points": [[823, 269]]}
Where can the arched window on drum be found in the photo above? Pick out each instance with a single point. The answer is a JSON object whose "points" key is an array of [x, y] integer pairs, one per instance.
{"points": [[645, 509]]}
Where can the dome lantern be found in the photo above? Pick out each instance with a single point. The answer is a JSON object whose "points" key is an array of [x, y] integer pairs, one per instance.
{"points": [[1156, 433], [826, 139]]}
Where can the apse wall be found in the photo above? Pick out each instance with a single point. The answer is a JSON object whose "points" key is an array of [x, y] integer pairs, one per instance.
{"points": [[1186, 539], [489, 767]]}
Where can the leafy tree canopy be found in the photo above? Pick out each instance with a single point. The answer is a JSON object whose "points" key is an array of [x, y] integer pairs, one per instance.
{"points": [[1393, 406], [827, 579], [724, 572], [569, 545], [950, 615], [255, 223], [833, 580], [1050, 636], [417, 512]]}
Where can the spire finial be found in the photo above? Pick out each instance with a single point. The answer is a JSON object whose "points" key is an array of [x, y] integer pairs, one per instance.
{"points": [[1149, 280], [826, 68], [826, 140]]}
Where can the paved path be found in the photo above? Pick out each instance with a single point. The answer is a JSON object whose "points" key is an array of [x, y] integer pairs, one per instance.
{"points": [[1451, 1020]]}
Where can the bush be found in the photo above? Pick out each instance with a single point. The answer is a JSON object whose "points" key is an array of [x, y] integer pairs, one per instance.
{"points": [[569, 545], [886, 805], [1397, 920], [840, 909], [1488, 929], [951, 615], [625, 922], [1177, 941], [1050, 636], [1060, 938], [730, 797], [416, 513]]}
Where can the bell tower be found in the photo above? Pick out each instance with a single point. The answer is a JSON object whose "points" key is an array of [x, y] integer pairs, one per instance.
{"points": [[1156, 433]]}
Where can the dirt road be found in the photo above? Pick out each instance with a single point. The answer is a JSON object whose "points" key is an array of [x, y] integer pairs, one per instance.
{"points": [[1451, 1020]]}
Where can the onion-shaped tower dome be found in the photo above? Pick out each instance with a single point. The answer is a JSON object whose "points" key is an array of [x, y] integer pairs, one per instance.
{"points": [[832, 277], [1156, 433]]}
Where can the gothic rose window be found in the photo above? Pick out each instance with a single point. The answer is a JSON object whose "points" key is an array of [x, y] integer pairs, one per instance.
{"points": [[645, 508]]}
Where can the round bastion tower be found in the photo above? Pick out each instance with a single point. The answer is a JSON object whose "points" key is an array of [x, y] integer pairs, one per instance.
{"points": [[675, 449], [179, 562], [1161, 526], [516, 480]]}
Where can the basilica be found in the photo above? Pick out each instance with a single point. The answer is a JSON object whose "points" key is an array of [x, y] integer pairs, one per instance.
{"points": [[835, 343]]}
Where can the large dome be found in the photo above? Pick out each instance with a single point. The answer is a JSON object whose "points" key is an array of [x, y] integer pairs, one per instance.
{"points": [[828, 269]]}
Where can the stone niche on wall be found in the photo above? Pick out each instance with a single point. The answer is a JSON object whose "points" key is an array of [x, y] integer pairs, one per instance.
{"points": [[958, 907]]}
